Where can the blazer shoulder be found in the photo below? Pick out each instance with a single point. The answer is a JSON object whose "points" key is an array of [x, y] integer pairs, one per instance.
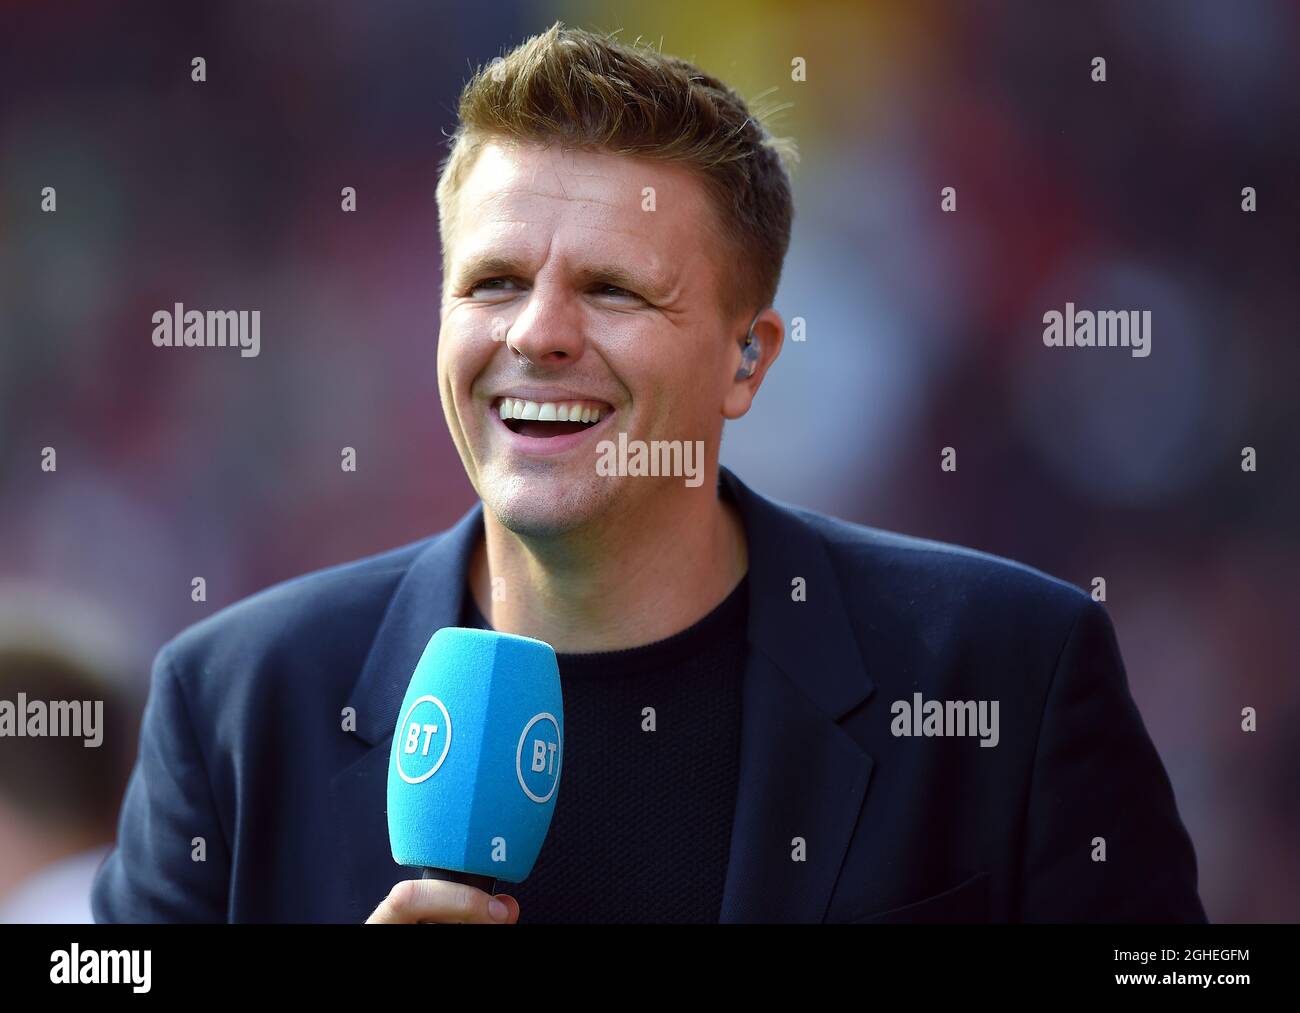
{"points": [[933, 576], [323, 620]]}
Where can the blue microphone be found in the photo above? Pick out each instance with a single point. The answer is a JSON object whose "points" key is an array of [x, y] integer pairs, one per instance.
{"points": [[476, 758]]}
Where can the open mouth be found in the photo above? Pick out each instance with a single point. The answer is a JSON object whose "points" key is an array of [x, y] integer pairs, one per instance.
{"points": [[546, 419]]}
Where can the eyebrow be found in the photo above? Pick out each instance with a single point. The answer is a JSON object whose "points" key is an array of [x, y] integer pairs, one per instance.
{"points": [[492, 265]]}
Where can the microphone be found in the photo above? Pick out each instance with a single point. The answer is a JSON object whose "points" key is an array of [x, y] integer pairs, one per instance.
{"points": [[476, 758]]}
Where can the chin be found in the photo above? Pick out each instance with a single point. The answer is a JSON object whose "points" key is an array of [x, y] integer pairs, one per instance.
{"points": [[533, 506]]}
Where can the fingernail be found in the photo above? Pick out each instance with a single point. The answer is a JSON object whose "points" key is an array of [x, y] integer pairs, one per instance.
{"points": [[498, 910]]}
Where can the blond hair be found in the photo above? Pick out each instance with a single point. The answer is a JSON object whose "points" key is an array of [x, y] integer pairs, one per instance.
{"points": [[591, 92]]}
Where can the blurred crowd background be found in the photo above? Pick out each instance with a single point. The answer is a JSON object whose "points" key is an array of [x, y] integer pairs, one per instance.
{"points": [[924, 331]]}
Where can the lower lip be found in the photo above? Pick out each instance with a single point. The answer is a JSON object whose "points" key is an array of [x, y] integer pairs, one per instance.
{"points": [[548, 446]]}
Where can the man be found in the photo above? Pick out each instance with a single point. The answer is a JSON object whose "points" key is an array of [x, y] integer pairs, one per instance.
{"points": [[749, 688]]}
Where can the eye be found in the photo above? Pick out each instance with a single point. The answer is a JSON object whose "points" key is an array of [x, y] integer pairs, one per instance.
{"points": [[614, 290], [488, 284]]}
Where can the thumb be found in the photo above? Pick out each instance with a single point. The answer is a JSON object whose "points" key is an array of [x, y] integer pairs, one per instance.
{"points": [[512, 904]]}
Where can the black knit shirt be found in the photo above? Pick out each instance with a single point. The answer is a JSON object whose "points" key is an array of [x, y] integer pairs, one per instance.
{"points": [[642, 822]]}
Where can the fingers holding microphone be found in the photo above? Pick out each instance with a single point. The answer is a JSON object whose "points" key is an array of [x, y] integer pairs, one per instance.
{"points": [[439, 902]]}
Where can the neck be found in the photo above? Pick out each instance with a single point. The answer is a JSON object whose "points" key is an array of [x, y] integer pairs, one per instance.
{"points": [[640, 576]]}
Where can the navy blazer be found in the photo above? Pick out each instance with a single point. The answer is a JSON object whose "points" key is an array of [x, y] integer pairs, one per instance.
{"points": [[839, 817]]}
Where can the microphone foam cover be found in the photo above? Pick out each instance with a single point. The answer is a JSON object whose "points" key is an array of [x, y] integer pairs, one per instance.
{"points": [[475, 763]]}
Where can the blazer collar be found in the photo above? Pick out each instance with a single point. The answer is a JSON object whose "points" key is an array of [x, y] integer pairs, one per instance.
{"points": [[427, 598], [810, 639], [801, 775], [803, 778]]}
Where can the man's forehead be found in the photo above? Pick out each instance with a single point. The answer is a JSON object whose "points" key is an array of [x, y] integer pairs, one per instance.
{"points": [[515, 196], [638, 198], [521, 170]]}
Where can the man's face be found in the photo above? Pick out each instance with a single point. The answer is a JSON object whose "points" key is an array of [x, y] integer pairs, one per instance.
{"points": [[564, 289]]}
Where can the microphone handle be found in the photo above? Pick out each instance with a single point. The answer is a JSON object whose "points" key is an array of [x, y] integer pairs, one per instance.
{"points": [[487, 884]]}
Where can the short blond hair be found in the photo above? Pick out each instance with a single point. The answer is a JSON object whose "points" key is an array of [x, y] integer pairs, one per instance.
{"points": [[591, 92]]}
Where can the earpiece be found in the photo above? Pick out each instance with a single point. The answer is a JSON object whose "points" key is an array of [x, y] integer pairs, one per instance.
{"points": [[750, 351]]}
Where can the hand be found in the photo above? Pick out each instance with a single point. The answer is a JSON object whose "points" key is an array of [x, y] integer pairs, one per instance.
{"points": [[438, 902]]}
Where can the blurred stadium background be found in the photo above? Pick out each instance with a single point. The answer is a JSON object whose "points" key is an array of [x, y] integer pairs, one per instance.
{"points": [[923, 329]]}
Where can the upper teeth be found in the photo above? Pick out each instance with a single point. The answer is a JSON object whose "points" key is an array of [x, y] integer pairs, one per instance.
{"points": [[549, 411]]}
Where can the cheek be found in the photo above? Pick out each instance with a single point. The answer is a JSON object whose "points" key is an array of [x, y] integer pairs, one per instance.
{"points": [[694, 378], [462, 357], [674, 393], [463, 354]]}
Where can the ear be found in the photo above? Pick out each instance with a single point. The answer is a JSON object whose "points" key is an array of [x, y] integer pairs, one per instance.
{"points": [[769, 332]]}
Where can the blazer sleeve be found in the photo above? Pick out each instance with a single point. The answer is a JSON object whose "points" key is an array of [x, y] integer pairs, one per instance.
{"points": [[1097, 775], [152, 874]]}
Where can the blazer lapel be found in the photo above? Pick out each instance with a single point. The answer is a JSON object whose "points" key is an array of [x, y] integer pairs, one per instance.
{"points": [[428, 598], [802, 777]]}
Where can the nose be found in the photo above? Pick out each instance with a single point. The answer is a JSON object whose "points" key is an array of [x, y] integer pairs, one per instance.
{"points": [[547, 331]]}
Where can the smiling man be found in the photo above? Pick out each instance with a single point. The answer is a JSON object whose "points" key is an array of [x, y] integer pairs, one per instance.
{"points": [[614, 223]]}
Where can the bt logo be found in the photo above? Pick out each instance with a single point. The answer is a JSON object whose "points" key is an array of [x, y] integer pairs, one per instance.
{"points": [[425, 741], [540, 740]]}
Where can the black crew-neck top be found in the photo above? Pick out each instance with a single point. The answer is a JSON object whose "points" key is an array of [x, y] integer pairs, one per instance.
{"points": [[642, 825]]}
